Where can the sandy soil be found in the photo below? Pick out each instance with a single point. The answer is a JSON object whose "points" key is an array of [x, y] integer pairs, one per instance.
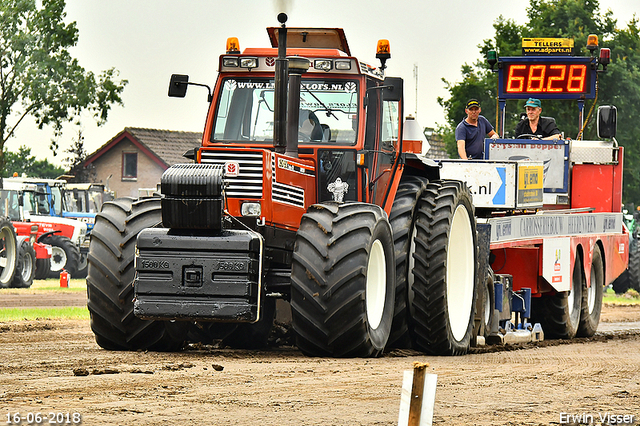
{"points": [[56, 367]]}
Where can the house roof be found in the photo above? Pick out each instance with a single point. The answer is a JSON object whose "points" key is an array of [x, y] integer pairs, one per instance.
{"points": [[165, 147], [438, 150]]}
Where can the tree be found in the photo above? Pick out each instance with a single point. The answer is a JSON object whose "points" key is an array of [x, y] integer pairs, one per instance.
{"points": [[619, 86], [23, 162], [39, 77], [75, 161]]}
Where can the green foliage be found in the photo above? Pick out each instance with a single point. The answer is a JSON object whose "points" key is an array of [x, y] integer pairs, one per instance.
{"points": [[38, 75], [619, 86], [75, 159], [23, 162]]}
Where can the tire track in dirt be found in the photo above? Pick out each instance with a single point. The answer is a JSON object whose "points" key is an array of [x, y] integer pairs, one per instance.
{"points": [[43, 300]]}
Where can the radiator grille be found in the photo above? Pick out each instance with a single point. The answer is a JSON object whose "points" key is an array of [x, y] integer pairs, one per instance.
{"points": [[248, 183]]}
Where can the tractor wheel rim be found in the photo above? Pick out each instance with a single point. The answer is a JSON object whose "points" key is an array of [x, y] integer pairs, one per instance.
{"points": [[571, 299], [591, 291], [375, 289], [460, 273], [7, 254], [27, 267], [58, 259], [487, 305]]}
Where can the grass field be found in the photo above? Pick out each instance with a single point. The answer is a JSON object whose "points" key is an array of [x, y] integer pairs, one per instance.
{"points": [[629, 298], [29, 314], [45, 287], [39, 286]]}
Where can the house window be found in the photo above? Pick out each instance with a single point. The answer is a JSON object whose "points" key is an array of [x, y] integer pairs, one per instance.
{"points": [[129, 166]]}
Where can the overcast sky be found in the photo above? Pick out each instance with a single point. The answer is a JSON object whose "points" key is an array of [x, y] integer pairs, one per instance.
{"points": [[147, 41]]}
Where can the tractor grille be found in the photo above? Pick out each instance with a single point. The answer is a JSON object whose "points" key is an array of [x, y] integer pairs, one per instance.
{"points": [[248, 183], [284, 193], [288, 194]]}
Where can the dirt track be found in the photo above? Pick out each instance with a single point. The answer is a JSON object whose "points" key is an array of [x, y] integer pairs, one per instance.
{"points": [[56, 367]]}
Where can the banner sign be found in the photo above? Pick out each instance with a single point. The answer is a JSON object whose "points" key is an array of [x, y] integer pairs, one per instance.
{"points": [[547, 46]]}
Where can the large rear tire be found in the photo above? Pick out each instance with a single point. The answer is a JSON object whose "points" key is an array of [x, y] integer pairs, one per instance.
{"points": [[402, 224], [64, 255], [559, 314], [592, 297], [110, 280], [342, 281], [8, 252], [26, 265], [444, 287]]}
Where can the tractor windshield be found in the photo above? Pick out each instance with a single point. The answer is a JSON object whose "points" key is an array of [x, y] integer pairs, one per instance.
{"points": [[10, 205], [328, 111]]}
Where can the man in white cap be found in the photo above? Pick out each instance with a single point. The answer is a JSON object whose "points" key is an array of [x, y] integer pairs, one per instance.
{"points": [[542, 127]]}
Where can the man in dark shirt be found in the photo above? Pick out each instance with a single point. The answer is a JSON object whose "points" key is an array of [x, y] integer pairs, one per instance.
{"points": [[543, 127], [471, 131]]}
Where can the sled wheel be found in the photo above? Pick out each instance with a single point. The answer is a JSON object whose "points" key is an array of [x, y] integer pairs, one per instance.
{"points": [[559, 314], [592, 297], [489, 303]]}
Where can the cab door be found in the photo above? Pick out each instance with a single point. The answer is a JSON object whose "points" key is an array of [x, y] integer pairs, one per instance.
{"points": [[381, 141]]}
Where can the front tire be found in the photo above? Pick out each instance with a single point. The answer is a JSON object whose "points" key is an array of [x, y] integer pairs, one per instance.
{"points": [[26, 266], [110, 280], [343, 281], [444, 287]]}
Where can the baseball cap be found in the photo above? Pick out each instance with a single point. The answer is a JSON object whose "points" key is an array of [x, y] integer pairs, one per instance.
{"points": [[472, 103], [533, 102]]}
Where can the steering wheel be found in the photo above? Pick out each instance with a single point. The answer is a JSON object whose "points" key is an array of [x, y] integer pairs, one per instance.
{"points": [[527, 136]]}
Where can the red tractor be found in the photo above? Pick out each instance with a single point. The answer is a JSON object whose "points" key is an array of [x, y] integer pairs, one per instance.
{"points": [[306, 190], [28, 252], [64, 235], [301, 194]]}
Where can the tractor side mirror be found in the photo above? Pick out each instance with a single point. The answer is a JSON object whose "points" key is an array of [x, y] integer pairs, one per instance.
{"points": [[607, 121], [392, 90], [178, 85]]}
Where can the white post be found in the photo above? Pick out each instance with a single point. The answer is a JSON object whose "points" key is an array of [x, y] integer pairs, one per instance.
{"points": [[417, 397]]}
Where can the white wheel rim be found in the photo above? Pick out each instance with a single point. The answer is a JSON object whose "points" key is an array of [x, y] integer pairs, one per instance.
{"points": [[412, 263], [487, 305], [58, 258], [591, 291], [7, 254], [27, 267], [83, 262], [460, 273], [375, 290], [571, 300]]}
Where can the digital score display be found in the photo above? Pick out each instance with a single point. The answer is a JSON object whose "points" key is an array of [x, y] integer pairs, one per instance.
{"points": [[547, 78]]}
